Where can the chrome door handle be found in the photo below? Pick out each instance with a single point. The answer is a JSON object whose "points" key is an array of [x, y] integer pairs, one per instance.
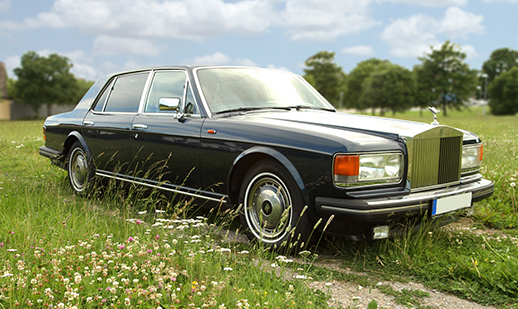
{"points": [[139, 126], [88, 123]]}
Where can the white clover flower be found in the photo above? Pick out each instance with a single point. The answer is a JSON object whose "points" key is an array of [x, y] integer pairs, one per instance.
{"points": [[227, 268], [513, 184]]}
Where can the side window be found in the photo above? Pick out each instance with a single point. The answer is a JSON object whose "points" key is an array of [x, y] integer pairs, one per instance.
{"points": [[100, 103], [190, 104], [126, 93], [166, 84]]}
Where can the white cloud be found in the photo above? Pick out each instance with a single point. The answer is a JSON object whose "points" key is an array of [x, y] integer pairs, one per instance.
{"points": [[5, 5], [436, 3], [154, 19], [11, 63], [116, 45], [325, 20], [413, 36], [274, 67], [358, 50], [245, 62], [217, 58], [459, 24], [470, 51]]}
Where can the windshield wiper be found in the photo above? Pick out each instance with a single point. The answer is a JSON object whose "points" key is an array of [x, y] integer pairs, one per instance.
{"points": [[299, 107], [247, 109], [239, 109]]}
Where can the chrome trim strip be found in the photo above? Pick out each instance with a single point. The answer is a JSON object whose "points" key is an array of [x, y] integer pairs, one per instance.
{"points": [[373, 211], [417, 201], [482, 185], [223, 199]]}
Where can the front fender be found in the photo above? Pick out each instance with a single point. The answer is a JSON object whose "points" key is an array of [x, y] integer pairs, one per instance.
{"points": [[242, 162]]}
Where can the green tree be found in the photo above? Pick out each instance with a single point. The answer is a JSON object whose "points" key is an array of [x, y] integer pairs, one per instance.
{"points": [[424, 91], [45, 81], [500, 61], [504, 93], [357, 77], [453, 81], [391, 88], [326, 76]]}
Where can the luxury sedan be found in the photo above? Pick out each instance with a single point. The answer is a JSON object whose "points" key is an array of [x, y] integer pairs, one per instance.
{"points": [[267, 142]]}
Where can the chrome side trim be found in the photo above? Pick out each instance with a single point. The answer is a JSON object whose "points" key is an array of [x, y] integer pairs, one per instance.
{"points": [[151, 185]]}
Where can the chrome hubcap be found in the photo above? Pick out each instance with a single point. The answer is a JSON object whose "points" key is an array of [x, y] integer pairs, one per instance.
{"points": [[78, 169], [267, 207]]}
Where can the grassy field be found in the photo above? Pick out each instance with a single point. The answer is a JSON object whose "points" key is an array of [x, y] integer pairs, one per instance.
{"points": [[62, 250]]}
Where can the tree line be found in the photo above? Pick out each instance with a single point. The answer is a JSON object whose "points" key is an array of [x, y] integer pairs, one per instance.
{"points": [[442, 79], [46, 81]]}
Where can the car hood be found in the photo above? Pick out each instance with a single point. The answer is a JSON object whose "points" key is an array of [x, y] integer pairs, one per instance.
{"points": [[384, 127]]}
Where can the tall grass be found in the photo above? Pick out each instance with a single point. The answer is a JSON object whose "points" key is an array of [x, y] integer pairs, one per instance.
{"points": [[119, 248], [62, 250], [469, 263]]}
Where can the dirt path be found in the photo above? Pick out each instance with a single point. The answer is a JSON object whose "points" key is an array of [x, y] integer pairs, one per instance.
{"points": [[346, 294]]}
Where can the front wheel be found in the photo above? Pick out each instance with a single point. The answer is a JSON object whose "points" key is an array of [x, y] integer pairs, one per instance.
{"points": [[80, 171], [273, 206]]}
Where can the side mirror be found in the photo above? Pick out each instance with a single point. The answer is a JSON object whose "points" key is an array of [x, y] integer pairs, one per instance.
{"points": [[168, 104]]}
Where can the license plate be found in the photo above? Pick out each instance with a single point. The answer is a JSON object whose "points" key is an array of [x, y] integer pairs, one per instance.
{"points": [[451, 203]]}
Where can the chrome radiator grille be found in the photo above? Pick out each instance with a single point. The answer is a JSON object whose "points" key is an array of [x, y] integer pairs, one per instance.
{"points": [[434, 157]]}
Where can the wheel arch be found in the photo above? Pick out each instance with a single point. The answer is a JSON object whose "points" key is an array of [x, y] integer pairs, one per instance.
{"points": [[248, 158], [73, 137]]}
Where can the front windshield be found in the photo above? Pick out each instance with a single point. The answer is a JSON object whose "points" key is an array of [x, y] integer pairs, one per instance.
{"points": [[227, 89]]}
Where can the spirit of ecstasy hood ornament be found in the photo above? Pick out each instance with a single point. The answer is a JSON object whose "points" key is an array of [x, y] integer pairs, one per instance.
{"points": [[435, 111]]}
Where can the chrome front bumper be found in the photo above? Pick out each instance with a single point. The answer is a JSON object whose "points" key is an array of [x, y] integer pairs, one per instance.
{"points": [[412, 202]]}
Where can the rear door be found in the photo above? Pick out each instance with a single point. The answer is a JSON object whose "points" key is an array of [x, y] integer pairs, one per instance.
{"points": [[107, 126]]}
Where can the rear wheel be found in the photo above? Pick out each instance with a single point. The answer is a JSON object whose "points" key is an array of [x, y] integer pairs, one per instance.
{"points": [[80, 171], [272, 206]]}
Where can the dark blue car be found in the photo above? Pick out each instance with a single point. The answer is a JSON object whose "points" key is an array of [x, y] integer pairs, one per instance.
{"points": [[266, 140]]}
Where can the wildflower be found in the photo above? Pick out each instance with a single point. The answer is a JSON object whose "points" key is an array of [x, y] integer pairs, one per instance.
{"points": [[121, 247], [149, 251], [127, 301], [157, 237], [227, 269], [513, 184], [138, 222], [130, 239], [1, 244]]}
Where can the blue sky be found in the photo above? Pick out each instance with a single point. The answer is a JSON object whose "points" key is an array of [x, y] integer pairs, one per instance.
{"points": [[105, 36]]}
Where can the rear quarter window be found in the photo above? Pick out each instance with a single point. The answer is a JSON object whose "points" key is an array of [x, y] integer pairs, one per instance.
{"points": [[126, 93]]}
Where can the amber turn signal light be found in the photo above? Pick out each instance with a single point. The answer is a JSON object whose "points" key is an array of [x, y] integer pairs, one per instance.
{"points": [[347, 165]]}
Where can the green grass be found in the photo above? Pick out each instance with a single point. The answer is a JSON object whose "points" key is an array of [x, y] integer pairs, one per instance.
{"points": [[62, 250], [57, 248], [478, 266]]}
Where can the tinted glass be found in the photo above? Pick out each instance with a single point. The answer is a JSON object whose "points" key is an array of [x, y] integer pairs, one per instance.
{"points": [[190, 104], [126, 93], [100, 103], [166, 84], [231, 88]]}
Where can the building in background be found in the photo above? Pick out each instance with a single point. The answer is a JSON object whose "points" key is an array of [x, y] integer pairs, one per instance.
{"points": [[10, 110]]}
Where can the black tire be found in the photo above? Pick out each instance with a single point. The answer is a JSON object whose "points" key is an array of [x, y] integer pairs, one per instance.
{"points": [[80, 169], [272, 206]]}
